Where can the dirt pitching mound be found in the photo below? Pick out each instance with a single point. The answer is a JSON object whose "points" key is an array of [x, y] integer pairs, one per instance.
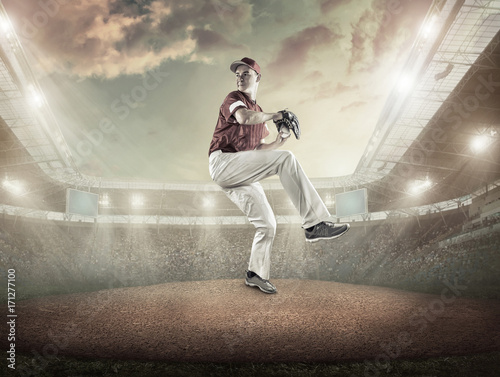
{"points": [[226, 321]]}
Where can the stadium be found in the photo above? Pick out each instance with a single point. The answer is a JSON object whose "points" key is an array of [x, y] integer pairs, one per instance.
{"points": [[145, 276]]}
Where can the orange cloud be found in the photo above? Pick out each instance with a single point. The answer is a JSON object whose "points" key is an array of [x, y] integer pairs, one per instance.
{"points": [[384, 28], [294, 50], [108, 38], [352, 105]]}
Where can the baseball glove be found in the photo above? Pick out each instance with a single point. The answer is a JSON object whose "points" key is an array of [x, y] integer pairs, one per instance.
{"points": [[290, 121]]}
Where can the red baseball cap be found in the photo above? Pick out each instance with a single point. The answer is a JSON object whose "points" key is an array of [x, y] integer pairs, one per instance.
{"points": [[245, 61]]}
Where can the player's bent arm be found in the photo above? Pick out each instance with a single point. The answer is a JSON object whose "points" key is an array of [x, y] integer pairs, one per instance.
{"points": [[245, 116]]}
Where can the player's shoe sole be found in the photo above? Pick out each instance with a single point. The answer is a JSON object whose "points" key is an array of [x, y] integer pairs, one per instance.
{"points": [[326, 231]]}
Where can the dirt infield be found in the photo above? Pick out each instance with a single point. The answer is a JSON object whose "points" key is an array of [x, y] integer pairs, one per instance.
{"points": [[225, 321]]}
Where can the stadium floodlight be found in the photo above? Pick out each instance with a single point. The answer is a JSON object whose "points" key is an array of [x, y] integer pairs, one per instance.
{"points": [[480, 143], [137, 200], [417, 187], [429, 27], [35, 97], [104, 200], [329, 200], [4, 25], [405, 83], [13, 186]]}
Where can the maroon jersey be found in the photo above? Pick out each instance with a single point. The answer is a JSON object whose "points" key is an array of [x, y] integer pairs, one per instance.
{"points": [[229, 135]]}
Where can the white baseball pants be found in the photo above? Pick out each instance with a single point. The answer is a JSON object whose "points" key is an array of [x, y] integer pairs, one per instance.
{"points": [[238, 175]]}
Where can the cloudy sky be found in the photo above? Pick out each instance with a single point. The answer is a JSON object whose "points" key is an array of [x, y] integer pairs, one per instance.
{"points": [[136, 85]]}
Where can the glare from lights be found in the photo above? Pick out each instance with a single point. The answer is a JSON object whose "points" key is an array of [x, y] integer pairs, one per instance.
{"points": [[420, 186], [38, 101], [208, 202], [4, 25], [104, 200], [14, 187], [35, 96], [137, 200], [405, 84], [329, 200], [429, 27], [480, 143]]}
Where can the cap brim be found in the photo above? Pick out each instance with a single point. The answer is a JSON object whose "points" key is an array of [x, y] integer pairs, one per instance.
{"points": [[236, 64]]}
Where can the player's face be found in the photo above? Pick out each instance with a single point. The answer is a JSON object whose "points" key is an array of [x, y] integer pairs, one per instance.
{"points": [[246, 79]]}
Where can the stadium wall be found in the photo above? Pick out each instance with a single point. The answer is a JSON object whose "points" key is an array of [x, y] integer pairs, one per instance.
{"points": [[409, 253]]}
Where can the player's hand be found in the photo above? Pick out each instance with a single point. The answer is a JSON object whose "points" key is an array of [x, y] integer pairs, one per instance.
{"points": [[280, 140]]}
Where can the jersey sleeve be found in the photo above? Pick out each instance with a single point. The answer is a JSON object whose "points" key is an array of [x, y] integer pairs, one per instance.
{"points": [[231, 103]]}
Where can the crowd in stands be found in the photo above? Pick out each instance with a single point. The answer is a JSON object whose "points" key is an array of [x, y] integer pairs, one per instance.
{"points": [[407, 253]]}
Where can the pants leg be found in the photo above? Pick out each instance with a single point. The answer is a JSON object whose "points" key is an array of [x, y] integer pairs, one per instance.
{"points": [[235, 169], [252, 201], [239, 173]]}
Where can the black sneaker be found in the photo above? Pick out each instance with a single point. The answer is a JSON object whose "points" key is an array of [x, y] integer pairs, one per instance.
{"points": [[326, 230], [263, 284]]}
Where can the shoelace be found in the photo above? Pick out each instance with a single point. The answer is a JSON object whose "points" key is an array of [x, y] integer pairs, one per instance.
{"points": [[264, 280], [323, 230], [258, 277]]}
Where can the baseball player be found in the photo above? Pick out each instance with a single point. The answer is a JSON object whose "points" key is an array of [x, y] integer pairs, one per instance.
{"points": [[239, 158]]}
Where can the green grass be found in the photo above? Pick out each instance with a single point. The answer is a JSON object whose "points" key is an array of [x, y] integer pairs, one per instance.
{"points": [[26, 292], [483, 365]]}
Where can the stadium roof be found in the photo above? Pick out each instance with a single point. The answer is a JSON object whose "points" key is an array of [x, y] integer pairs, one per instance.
{"points": [[449, 94], [449, 99]]}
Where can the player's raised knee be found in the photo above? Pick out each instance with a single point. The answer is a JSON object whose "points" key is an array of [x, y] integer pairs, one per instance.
{"points": [[287, 155]]}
